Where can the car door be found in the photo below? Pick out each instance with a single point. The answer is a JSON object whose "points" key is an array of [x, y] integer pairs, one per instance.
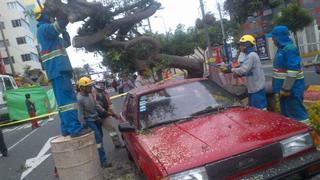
{"points": [[128, 116]]}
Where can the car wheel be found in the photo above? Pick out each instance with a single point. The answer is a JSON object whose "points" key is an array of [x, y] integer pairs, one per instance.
{"points": [[129, 155]]}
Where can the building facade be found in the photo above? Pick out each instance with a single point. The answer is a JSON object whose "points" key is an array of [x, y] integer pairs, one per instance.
{"points": [[261, 23], [18, 37]]}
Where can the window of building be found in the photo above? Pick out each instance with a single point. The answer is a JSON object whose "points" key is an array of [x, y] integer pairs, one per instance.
{"points": [[2, 25], [26, 57], [16, 23], [15, 5], [2, 43], [6, 60], [21, 40], [20, 23]]}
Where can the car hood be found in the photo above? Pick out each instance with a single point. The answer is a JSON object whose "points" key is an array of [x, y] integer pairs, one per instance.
{"points": [[181, 146]]}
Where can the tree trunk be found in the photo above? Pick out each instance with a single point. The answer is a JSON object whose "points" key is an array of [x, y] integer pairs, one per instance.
{"points": [[193, 66]]}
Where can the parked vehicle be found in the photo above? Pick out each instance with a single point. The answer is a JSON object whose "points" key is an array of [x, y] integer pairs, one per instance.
{"points": [[6, 83], [194, 129]]}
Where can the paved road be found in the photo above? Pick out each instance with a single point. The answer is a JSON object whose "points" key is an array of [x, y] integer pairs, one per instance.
{"points": [[24, 143]]}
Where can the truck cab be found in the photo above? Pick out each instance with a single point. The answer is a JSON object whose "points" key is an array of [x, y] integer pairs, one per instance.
{"points": [[6, 83]]}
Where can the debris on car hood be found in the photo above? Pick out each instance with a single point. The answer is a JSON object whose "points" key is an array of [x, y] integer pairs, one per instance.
{"points": [[205, 139]]}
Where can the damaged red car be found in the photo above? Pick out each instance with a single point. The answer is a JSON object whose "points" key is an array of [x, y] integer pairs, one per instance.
{"points": [[195, 130]]}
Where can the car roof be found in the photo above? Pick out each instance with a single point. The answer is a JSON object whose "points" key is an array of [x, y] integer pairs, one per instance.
{"points": [[161, 85]]}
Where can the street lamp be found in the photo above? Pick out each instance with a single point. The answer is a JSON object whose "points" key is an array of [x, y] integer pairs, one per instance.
{"points": [[164, 23]]}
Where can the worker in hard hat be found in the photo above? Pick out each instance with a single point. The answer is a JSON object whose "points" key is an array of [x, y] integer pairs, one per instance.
{"points": [[288, 78], [59, 70], [251, 68], [89, 115]]}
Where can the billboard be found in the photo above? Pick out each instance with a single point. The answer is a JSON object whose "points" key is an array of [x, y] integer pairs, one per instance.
{"points": [[262, 48]]}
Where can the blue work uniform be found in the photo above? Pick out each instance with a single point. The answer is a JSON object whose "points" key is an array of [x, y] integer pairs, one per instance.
{"points": [[59, 70], [287, 64]]}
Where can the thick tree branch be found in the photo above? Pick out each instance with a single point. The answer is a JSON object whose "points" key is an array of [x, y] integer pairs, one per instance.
{"points": [[109, 29]]}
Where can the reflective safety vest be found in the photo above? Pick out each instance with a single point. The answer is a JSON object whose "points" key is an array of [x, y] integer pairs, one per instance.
{"points": [[283, 73], [68, 107], [287, 63], [53, 54], [47, 55]]}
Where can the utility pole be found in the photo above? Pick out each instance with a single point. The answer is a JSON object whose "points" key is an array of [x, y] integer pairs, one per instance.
{"points": [[206, 29], [7, 51], [223, 34]]}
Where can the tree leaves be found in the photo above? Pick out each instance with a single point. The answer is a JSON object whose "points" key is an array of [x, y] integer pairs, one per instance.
{"points": [[295, 17]]}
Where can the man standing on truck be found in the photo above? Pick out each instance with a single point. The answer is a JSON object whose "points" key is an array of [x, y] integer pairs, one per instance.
{"points": [[288, 78], [59, 70]]}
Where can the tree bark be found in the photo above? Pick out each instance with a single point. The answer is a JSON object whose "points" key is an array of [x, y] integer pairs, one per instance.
{"points": [[109, 29]]}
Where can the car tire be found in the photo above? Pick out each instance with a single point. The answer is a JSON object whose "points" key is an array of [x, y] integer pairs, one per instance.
{"points": [[129, 155]]}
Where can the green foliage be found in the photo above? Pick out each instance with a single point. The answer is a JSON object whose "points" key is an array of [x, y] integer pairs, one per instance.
{"points": [[314, 115], [117, 61], [240, 10], [180, 43], [295, 17]]}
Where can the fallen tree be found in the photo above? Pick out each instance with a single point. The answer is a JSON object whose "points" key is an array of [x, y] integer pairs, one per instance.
{"points": [[114, 27]]}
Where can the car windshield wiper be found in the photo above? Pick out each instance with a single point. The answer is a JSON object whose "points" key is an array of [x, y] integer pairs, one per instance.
{"points": [[170, 121], [210, 109]]}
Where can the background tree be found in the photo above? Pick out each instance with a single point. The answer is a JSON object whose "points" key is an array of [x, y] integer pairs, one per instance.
{"points": [[78, 72], [295, 17], [232, 30], [240, 10]]}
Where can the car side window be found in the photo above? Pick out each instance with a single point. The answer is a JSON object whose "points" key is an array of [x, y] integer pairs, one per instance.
{"points": [[7, 83], [130, 110]]}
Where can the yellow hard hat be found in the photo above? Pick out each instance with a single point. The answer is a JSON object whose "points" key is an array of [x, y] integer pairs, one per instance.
{"points": [[85, 81], [37, 12], [248, 38]]}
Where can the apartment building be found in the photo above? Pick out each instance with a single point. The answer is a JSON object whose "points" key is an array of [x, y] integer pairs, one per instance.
{"points": [[309, 39], [18, 37]]}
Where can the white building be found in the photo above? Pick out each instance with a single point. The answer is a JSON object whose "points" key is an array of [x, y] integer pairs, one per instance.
{"points": [[18, 37]]}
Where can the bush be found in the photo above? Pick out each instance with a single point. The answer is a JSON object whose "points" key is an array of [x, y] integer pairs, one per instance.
{"points": [[314, 115]]}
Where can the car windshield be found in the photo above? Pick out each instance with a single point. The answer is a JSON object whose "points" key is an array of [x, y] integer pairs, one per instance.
{"points": [[182, 102]]}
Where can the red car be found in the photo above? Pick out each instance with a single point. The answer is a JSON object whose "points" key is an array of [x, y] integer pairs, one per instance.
{"points": [[195, 130]]}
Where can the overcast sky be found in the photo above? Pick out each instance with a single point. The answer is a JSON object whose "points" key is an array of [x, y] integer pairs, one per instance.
{"points": [[174, 12]]}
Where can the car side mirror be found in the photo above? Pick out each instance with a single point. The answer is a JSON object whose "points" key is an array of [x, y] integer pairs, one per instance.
{"points": [[126, 127]]}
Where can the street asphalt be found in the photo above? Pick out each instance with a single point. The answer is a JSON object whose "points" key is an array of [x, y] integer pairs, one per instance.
{"points": [[24, 143]]}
